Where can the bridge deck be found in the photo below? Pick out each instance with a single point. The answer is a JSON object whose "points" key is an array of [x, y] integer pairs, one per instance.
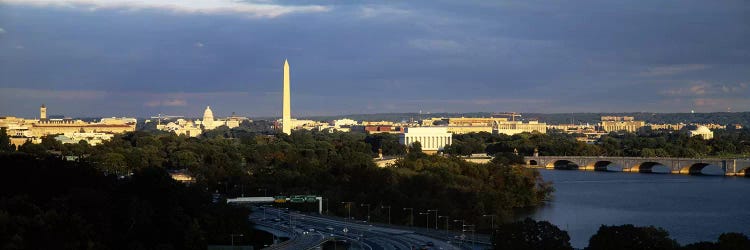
{"points": [[730, 166]]}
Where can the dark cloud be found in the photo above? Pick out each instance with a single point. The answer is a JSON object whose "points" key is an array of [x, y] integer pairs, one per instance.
{"points": [[365, 57]]}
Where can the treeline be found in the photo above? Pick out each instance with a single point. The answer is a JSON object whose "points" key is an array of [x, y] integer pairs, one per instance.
{"points": [[530, 234], [337, 166], [726, 143], [49, 203]]}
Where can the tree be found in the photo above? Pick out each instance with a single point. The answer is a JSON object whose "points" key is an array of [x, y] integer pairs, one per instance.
{"points": [[733, 241], [508, 158], [631, 237], [184, 159], [530, 234], [5, 145], [415, 150], [727, 241]]}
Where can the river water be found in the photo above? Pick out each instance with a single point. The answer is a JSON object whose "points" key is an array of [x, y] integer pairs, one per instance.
{"points": [[691, 208]]}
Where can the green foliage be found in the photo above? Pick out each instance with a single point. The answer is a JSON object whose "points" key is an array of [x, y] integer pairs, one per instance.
{"points": [[530, 235], [733, 241], [493, 188], [643, 144], [627, 237], [386, 142], [338, 166], [54, 204], [5, 145], [727, 241], [467, 144]]}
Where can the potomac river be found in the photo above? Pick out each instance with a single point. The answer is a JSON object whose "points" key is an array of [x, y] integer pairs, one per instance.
{"points": [[690, 208]]}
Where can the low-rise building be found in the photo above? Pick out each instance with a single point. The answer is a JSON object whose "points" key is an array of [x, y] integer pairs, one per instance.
{"points": [[620, 123], [21, 130], [90, 138], [344, 122], [469, 129], [666, 126]]}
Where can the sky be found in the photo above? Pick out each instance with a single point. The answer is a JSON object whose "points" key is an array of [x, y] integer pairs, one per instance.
{"points": [[91, 58]]}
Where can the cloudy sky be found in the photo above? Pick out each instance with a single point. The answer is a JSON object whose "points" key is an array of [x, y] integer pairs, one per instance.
{"points": [[141, 58]]}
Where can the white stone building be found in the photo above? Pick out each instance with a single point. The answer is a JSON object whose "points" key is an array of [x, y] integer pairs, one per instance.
{"points": [[703, 131], [432, 139]]}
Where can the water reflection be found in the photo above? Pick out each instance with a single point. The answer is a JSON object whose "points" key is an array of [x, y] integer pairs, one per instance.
{"points": [[692, 208]]}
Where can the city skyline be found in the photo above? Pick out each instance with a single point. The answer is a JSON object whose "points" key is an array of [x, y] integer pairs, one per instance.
{"points": [[111, 58]]}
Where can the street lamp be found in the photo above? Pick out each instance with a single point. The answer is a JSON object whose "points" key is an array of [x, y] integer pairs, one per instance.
{"points": [[389, 213], [446, 224], [233, 235], [291, 227], [492, 220], [411, 217], [349, 208], [462, 223], [436, 216], [473, 236], [368, 211], [427, 215]]}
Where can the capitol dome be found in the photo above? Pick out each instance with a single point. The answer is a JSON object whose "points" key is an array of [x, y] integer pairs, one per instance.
{"points": [[208, 117]]}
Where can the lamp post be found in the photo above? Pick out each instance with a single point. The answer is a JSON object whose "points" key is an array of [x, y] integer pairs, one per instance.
{"points": [[291, 227], [436, 216], [462, 231], [368, 211], [446, 224], [349, 208], [426, 215], [233, 235], [473, 236], [492, 220], [389, 213], [411, 216]]}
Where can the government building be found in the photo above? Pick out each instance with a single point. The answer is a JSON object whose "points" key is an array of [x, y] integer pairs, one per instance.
{"points": [[432, 139], [493, 125], [621, 123], [21, 130], [195, 128]]}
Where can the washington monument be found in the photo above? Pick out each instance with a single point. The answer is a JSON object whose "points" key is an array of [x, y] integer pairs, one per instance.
{"points": [[286, 117]]}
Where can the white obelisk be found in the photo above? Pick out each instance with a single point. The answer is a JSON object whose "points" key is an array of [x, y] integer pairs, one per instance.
{"points": [[286, 117]]}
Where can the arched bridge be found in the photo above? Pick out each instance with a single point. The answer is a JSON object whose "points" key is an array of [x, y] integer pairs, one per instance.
{"points": [[729, 167]]}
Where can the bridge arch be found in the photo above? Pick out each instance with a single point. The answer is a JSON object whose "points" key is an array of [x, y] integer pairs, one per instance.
{"points": [[533, 163], [563, 164], [649, 167], [699, 167], [743, 171], [601, 165]]}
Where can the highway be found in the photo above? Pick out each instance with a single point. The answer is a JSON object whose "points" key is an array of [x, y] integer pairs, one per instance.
{"points": [[310, 231]]}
